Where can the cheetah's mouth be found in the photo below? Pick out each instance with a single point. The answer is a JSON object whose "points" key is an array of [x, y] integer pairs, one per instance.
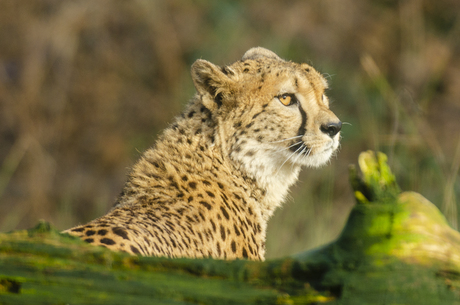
{"points": [[297, 147], [314, 155]]}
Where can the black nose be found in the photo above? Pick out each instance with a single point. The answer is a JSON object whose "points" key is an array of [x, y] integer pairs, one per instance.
{"points": [[331, 128]]}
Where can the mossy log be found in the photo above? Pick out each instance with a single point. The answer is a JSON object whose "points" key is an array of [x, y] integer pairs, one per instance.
{"points": [[396, 248]]}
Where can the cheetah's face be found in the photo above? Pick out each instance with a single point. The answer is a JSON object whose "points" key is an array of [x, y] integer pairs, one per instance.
{"points": [[306, 132], [272, 110]]}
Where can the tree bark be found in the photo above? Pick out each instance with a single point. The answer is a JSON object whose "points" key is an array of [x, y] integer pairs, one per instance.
{"points": [[396, 248]]}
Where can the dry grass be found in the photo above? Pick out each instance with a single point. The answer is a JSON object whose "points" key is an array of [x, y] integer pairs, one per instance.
{"points": [[86, 85]]}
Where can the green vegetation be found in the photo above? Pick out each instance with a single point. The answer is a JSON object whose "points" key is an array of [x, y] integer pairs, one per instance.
{"points": [[396, 248], [85, 86]]}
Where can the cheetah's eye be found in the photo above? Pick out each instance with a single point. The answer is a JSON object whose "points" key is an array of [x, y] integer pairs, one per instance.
{"points": [[287, 99]]}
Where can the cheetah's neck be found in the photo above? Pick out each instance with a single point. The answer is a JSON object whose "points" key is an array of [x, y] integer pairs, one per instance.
{"points": [[273, 175]]}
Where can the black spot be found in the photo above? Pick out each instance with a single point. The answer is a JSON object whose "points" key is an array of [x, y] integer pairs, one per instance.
{"points": [[233, 246], [222, 232], [191, 113], [307, 69], [206, 182], [236, 230], [192, 185], [218, 249], [120, 232], [259, 229], [296, 82], [174, 184], [224, 211], [213, 225], [246, 70], [220, 185], [250, 153], [190, 199], [102, 232], [211, 194], [237, 125], [152, 175], [107, 241], [169, 224], [245, 253], [236, 196], [218, 99], [135, 250], [89, 240], [184, 178], [206, 205], [90, 232], [257, 114], [78, 230]]}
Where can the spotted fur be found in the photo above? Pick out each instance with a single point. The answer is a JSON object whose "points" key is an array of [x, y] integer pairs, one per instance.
{"points": [[213, 179]]}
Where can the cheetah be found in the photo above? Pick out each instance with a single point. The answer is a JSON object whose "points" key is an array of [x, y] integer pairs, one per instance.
{"points": [[209, 185]]}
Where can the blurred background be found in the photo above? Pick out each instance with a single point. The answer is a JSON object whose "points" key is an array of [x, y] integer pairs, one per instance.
{"points": [[86, 86]]}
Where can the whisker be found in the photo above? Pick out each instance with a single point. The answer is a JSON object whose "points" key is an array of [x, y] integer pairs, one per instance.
{"points": [[300, 142], [346, 123], [286, 148], [327, 75], [286, 139], [298, 156], [290, 156]]}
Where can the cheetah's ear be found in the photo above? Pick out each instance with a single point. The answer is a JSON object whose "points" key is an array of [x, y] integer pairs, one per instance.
{"points": [[259, 52], [211, 81]]}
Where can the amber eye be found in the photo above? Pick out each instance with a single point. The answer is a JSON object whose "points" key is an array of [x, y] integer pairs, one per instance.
{"points": [[287, 99]]}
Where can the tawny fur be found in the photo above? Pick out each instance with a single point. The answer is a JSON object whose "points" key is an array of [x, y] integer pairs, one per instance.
{"points": [[213, 179]]}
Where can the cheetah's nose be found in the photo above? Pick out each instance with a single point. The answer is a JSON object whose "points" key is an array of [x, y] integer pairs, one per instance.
{"points": [[331, 128]]}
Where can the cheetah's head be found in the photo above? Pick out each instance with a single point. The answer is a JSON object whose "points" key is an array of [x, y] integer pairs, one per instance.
{"points": [[274, 113]]}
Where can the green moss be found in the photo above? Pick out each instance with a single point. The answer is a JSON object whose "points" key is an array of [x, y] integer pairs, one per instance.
{"points": [[395, 248]]}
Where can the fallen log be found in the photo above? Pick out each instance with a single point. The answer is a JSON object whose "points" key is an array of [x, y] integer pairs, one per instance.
{"points": [[396, 248]]}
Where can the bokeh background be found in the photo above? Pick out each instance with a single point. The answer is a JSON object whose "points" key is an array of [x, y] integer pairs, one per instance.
{"points": [[86, 86]]}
